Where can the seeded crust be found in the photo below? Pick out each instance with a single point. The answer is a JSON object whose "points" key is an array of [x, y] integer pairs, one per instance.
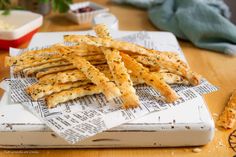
{"points": [[154, 80], [32, 70], [40, 90], [108, 43], [173, 67], [91, 72], [36, 63], [102, 31], [54, 70], [73, 93], [31, 56], [228, 117]]}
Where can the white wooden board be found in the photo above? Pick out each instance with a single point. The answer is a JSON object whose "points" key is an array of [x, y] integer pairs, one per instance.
{"points": [[188, 124]]}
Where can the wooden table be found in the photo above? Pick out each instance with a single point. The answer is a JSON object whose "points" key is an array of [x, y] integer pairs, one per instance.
{"points": [[217, 68]]}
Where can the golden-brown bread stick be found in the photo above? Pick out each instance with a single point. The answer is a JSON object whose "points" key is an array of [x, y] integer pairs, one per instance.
{"points": [[228, 117], [70, 94], [40, 90], [151, 79]]}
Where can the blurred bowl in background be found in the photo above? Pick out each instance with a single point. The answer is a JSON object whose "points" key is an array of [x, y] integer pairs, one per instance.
{"points": [[19, 28], [108, 19], [84, 12]]}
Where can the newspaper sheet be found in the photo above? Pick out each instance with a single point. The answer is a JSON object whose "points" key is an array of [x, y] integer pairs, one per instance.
{"points": [[85, 117]]}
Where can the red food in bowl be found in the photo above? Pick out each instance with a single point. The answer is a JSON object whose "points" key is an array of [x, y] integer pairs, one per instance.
{"points": [[83, 10]]}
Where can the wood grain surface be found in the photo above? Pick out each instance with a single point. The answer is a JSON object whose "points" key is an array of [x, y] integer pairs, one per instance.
{"points": [[217, 68]]}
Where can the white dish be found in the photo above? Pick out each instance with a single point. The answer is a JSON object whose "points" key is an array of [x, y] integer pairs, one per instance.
{"points": [[25, 24], [23, 21]]}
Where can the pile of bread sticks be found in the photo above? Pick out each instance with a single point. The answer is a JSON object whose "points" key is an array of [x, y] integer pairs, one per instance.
{"points": [[100, 65]]}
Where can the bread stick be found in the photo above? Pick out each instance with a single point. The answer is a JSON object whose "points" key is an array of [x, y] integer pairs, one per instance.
{"points": [[151, 79], [70, 94], [228, 117], [40, 90]]}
